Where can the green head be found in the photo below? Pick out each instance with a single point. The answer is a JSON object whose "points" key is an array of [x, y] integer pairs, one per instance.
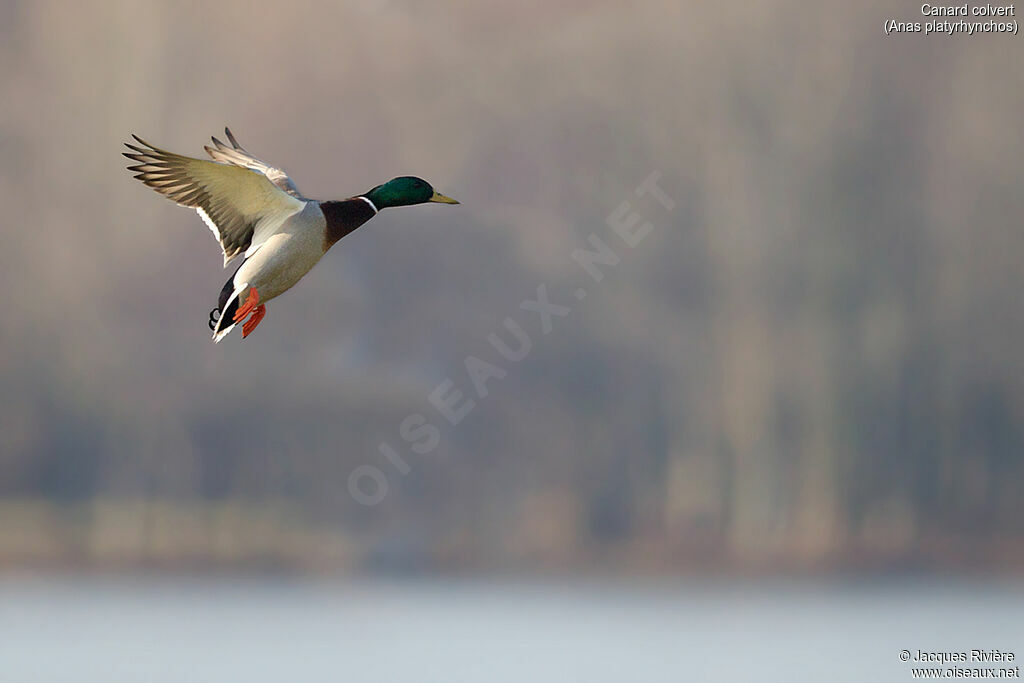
{"points": [[405, 191]]}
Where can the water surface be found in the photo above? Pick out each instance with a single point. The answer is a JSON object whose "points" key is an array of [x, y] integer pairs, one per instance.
{"points": [[160, 630]]}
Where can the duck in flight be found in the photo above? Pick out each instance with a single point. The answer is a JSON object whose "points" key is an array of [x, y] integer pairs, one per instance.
{"points": [[254, 209]]}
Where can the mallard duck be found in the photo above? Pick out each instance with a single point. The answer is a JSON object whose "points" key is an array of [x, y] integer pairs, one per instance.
{"points": [[255, 209]]}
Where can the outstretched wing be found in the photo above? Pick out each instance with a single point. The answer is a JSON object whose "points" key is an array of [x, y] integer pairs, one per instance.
{"points": [[239, 157], [242, 207]]}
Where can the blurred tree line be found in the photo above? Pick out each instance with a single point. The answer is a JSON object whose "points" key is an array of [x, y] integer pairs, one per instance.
{"points": [[811, 362]]}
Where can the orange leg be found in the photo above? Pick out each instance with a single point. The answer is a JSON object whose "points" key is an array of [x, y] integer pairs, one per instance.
{"points": [[257, 315], [250, 303]]}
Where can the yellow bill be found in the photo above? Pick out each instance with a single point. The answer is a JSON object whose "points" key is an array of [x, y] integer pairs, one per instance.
{"points": [[441, 199]]}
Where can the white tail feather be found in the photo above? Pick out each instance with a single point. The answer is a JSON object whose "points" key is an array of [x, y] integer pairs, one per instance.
{"points": [[219, 333]]}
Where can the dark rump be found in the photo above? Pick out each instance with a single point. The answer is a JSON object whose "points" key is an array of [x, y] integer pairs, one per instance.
{"points": [[222, 300]]}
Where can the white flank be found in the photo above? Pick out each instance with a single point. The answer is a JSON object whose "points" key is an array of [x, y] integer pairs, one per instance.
{"points": [[270, 224]]}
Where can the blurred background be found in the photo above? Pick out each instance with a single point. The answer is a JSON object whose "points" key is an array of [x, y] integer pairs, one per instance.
{"points": [[792, 412]]}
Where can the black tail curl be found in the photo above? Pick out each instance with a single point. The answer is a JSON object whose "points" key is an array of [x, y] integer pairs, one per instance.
{"points": [[225, 293]]}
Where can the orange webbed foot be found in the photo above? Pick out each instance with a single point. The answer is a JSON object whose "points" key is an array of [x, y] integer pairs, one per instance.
{"points": [[246, 308], [257, 315]]}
